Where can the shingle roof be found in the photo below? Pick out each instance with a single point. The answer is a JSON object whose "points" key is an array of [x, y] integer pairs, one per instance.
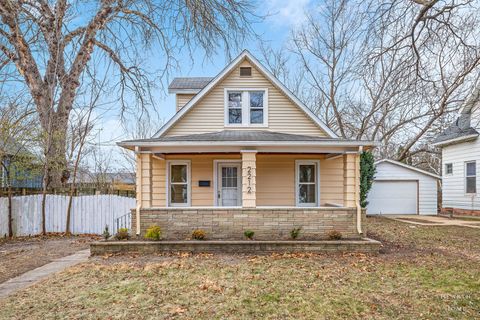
{"points": [[194, 83], [462, 126], [237, 135]]}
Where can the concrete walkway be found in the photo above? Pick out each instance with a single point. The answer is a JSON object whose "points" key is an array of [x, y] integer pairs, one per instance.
{"points": [[33, 276], [434, 221]]}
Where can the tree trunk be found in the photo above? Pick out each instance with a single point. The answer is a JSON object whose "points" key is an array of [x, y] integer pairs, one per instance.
{"points": [[55, 153], [69, 211], [10, 218], [44, 199]]}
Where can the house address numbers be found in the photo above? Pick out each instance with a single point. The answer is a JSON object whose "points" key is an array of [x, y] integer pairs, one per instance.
{"points": [[249, 179]]}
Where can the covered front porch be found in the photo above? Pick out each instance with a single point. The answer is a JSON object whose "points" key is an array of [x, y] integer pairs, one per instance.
{"points": [[229, 181], [247, 179]]}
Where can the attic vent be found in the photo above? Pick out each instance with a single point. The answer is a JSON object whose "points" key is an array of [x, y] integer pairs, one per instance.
{"points": [[245, 71]]}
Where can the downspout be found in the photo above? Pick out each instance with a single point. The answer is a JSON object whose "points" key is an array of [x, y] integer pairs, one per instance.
{"points": [[139, 193], [357, 192]]}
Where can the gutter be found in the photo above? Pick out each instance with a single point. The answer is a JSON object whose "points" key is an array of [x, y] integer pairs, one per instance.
{"points": [[455, 140], [139, 192]]}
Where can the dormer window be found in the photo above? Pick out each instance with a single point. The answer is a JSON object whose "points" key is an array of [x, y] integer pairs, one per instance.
{"points": [[256, 106], [246, 107], [235, 107]]}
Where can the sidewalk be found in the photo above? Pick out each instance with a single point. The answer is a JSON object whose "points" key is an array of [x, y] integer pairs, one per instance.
{"points": [[33, 276], [433, 221]]}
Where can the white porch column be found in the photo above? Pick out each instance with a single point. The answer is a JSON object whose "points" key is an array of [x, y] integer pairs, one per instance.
{"points": [[249, 173]]}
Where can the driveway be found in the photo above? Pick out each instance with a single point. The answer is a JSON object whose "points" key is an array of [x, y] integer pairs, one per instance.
{"points": [[434, 221]]}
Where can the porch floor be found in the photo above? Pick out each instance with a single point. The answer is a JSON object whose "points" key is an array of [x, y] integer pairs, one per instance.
{"points": [[364, 245]]}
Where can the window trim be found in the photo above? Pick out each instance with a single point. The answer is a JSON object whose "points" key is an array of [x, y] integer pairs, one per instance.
{"points": [[467, 176], [168, 183], [246, 108], [446, 172], [298, 163]]}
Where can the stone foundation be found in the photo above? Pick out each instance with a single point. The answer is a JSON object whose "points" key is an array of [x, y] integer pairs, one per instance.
{"points": [[459, 212], [268, 224]]}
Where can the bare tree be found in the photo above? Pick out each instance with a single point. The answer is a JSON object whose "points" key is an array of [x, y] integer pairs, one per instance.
{"points": [[47, 46], [81, 126], [395, 72]]}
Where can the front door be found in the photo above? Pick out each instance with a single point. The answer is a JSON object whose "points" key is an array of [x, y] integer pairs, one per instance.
{"points": [[229, 193]]}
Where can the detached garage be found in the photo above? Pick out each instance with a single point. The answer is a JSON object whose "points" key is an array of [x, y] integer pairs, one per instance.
{"points": [[402, 189]]}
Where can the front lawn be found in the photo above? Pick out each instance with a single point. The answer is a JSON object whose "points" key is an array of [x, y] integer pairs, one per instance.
{"points": [[22, 254], [423, 272]]}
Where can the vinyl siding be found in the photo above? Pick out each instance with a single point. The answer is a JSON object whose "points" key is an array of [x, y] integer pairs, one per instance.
{"points": [[182, 99], [208, 114], [275, 178], [453, 186], [427, 186]]}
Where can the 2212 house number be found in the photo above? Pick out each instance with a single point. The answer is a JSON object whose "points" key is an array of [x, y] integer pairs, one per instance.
{"points": [[249, 179]]}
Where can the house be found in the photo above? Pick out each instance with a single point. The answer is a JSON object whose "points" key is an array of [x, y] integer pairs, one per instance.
{"points": [[402, 189], [19, 168], [460, 159], [243, 153]]}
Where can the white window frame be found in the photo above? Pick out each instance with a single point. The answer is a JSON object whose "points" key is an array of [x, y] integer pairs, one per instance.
{"points": [[298, 163], [246, 108], [446, 172], [467, 176], [189, 183]]}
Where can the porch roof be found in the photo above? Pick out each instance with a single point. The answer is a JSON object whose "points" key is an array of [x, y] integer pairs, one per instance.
{"points": [[244, 138]]}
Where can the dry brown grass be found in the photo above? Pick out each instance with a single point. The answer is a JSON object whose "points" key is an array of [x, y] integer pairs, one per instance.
{"points": [[423, 272]]}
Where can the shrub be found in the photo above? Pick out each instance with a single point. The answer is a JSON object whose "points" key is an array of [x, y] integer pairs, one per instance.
{"points": [[106, 233], [295, 232], [249, 234], [199, 234], [153, 233], [334, 235], [367, 174], [122, 234]]}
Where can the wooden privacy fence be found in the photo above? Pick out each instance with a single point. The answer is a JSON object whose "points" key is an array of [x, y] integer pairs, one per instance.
{"points": [[89, 214]]}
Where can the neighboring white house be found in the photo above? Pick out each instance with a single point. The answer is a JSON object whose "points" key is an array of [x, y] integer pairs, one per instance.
{"points": [[460, 159], [402, 189]]}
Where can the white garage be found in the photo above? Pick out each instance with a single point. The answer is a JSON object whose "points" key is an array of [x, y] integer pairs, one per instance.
{"points": [[402, 189]]}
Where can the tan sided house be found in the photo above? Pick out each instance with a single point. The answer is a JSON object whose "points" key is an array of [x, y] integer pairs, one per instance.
{"points": [[243, 153]]}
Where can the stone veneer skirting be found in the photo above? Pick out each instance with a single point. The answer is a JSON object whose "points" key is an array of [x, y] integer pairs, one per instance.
{"points": [[268, 224]]}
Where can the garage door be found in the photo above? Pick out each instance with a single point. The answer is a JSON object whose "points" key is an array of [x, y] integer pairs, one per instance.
{"points": [[393, 197]]}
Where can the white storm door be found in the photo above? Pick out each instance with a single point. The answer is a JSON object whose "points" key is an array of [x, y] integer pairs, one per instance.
{"points": [[229, 184]]}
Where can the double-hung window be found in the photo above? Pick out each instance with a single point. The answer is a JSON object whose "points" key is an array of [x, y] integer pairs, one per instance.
{"points": [[179, 183], [471, 177], [307, 187], [246, 107], [448, 168], [235, 107]]}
